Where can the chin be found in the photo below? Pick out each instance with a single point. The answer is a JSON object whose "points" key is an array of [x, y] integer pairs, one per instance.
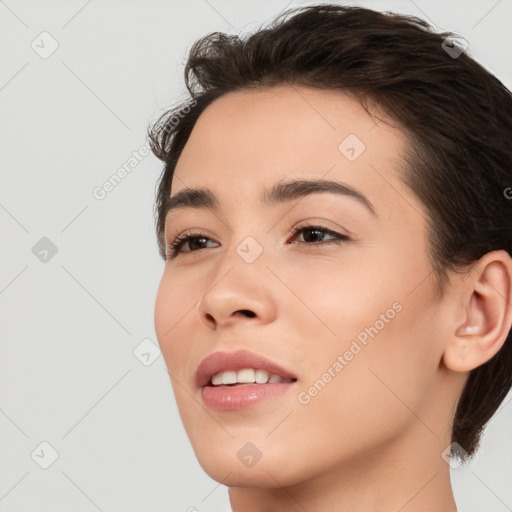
{"points": [[237, 462], [265, 474]]}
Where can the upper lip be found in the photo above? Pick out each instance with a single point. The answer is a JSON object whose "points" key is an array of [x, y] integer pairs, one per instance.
{"points": [[217, 362]]}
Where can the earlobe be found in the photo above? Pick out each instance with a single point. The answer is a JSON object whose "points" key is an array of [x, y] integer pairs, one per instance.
{"points": [[487, 314]]}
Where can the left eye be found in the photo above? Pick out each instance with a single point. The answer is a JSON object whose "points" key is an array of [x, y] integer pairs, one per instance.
{"points": [[315, 232], [313, 235]]}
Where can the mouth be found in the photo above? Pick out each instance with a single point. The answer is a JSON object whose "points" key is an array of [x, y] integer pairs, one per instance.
{"points": [[239, 367], [235, 380]]}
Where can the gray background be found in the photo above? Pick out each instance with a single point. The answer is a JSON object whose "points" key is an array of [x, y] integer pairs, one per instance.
{"points": [[71, 370]]}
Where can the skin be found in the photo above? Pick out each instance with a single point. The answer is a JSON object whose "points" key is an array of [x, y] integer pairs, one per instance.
{"points": [[372, 438]]}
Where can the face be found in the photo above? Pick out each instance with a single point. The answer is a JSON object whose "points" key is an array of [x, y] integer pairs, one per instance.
{"points": [[334, 287]]}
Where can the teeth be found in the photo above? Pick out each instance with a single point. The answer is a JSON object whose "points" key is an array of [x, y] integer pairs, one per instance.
{"points": [[229, 378], [246, 376], [261, 376], [217, 379]]}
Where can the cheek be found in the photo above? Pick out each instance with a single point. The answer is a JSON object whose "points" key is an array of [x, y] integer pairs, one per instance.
{"points": [[385, 334], [175, 305], [377, 392], [175, 302], [335, 299]]}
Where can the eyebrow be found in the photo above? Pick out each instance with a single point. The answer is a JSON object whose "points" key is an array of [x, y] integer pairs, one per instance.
{"points": [[204, 198]]}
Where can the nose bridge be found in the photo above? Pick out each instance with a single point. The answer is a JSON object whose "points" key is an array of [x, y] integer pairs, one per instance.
{"points": [[245, 249], [241, 264]]}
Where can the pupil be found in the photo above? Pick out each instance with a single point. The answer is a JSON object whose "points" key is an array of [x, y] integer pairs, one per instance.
{"points": [[313, 230], [197, 242]]}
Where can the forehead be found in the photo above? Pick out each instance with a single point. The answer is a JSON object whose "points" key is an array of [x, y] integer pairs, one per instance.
{"points": [[247, 140]]}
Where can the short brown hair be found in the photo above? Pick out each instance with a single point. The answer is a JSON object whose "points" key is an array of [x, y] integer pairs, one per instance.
{"points": [[456, 115]]}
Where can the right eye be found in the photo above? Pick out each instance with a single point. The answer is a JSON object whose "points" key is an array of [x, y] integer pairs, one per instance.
{"points": [[192, 239]]}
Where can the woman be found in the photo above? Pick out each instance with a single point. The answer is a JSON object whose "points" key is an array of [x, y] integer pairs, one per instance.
{"points": [[335, 308]]}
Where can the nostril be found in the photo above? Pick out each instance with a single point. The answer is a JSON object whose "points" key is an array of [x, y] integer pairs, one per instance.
{"points": [[247, 313]]}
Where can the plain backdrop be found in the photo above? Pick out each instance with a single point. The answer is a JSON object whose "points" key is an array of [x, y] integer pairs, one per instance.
{"points": [[87, 416]]}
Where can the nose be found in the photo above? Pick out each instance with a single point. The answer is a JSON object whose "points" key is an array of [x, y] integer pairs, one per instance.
{"points": [[239, 295]]}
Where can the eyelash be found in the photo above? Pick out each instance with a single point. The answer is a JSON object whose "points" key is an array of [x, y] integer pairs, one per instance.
{"points": [[174, 248]]}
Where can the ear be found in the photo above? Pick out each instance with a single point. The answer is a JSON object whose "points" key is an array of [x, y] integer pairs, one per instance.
{"points": [[486, 312]]}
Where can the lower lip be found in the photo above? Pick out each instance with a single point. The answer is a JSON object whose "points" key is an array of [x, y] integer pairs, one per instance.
{"points": [[230, 398]]}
